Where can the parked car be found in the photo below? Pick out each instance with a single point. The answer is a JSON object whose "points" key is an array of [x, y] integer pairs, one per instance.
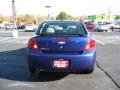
{"points": [[61, 46], [115, 26], [21, 27], [89, 26], [9, 26], [102, 27], [2, 25], [29, 27]]}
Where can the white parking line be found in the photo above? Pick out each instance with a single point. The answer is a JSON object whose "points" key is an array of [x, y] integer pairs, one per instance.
{"points": [[5, 39], [101, 42]]}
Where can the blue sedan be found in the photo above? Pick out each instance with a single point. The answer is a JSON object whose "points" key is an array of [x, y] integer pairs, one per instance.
{"points": [[61, 46]]}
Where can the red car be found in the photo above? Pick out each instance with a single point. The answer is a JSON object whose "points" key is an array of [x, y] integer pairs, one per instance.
{"points": [[89, 25]]}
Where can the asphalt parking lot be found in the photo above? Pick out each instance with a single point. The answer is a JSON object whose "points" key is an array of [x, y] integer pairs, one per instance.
{"points": [[14, 73]]}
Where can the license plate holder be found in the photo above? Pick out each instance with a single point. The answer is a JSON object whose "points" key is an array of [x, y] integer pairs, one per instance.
{"points": [[60, 63]]}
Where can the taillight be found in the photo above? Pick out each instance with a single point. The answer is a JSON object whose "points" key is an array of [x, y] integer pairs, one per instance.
{"points": [[90, 44], [32, 43]]}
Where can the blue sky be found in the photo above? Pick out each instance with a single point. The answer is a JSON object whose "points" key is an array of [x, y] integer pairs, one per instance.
{"points": [[72, 7]]}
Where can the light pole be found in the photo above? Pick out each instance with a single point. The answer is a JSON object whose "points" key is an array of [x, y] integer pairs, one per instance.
{"points": [[48, 7], [109, 13], [15, 32]]}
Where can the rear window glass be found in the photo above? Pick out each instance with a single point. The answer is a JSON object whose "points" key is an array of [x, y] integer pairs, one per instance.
{"points": [[62, 28]]}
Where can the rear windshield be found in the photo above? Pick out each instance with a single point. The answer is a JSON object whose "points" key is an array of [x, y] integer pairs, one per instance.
{"points": [[62, 28]]}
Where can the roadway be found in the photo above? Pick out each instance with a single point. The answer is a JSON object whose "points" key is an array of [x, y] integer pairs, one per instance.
{"points": [[14, 73]]}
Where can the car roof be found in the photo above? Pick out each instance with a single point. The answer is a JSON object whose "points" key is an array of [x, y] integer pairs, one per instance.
{"points": [[60, 21]]}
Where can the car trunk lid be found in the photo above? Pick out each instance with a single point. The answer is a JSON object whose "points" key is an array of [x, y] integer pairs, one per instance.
{"points": [[61, 44]]}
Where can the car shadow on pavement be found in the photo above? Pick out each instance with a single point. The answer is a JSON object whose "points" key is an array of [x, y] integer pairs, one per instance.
{"points": [[48, 76], [14, 66]]}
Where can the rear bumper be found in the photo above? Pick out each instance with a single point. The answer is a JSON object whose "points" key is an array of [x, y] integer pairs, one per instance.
{"points": [[77, 62]]}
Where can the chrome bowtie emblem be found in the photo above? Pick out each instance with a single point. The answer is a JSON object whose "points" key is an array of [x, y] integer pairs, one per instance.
{"points": [[61, 42]]}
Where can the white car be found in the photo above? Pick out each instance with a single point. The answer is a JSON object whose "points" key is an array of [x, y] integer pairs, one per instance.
{"points": [[116, 26], [2, 25], [29, 27], [102, 27], [9, 26]]}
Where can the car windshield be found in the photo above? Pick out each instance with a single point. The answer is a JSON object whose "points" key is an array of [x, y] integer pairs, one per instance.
{"points": [[63, 28]]}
